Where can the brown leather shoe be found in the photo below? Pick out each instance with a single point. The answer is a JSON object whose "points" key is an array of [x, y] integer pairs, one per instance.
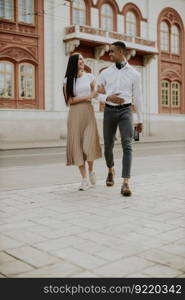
{"points": [[110, 179], [125, 190]]}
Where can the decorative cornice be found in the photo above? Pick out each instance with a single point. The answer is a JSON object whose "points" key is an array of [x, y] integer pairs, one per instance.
{"points": [[100, 51], [71, 45], [130, 53], [113, 3], [171, 76], [148, 58], [17, 54], [172, 16], [133, 7]]}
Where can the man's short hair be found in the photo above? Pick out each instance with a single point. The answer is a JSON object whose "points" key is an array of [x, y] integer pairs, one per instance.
{"points": [[120, 45]]}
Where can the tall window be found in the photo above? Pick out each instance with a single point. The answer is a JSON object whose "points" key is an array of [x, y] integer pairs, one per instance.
{"points": [[175, 94], [79, 12], [164, 36], [26, 11], [6, 79], [131, 23], [165, 93], [27, 81], [170, 94], [106, 17], [175, 40], [6, 9]]}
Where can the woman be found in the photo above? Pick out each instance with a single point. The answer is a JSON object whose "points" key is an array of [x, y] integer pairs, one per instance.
{"points": [[82, 137]]}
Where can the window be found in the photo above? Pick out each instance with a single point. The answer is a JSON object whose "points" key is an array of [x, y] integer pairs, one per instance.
{"points": [[106, 17], [6, 79], [131, 23], [175, 94], [165, 93], [26, 11], [175, 39], [79, 12], [164, 36], [27, 81], [6, 9]]}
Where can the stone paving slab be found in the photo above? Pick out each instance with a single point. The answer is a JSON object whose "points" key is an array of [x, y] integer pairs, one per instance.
{"points": [[58, 231]]}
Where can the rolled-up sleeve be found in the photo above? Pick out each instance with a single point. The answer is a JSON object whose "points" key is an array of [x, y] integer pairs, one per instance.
{"points": [[137, 97]]}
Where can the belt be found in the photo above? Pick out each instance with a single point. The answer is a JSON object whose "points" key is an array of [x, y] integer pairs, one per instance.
{"points": [[118, 106]]}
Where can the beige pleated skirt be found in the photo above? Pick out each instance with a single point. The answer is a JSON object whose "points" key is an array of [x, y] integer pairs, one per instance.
{"points": [[82, 135]]}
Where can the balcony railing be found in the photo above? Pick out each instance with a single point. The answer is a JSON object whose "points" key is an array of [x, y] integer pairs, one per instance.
{"points": [[75, 29]]}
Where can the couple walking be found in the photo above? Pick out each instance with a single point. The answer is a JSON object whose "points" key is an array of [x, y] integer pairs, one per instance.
{"points": [[116, 87]]}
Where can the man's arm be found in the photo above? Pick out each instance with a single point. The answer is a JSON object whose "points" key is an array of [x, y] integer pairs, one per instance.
{"points": [[103, 97], [138, 101], [101, 89]]}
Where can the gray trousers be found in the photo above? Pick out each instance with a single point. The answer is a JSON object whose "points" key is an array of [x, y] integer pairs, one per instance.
{"points": [[112, 119]]}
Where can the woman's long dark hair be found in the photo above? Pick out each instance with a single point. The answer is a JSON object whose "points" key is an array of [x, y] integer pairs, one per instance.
{"points": [[71, 75]]}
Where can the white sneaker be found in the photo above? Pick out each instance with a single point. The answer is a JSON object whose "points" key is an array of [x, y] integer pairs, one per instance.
{"points": [[84, 185], [92, 178]]}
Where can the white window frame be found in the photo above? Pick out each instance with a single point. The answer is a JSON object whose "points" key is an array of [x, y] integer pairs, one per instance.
{"points": [[80, 7], [13, 79], [4, 8], [25, 17], [178, 90], [165, 89], [33, 81], [131, 23], [107, 17], [164, 36], [175, 40]]}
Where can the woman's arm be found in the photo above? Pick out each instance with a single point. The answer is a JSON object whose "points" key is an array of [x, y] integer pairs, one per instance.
{"points": [[75, 100]]}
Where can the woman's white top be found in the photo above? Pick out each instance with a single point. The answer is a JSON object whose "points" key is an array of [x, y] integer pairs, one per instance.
{"points": [[83, 85]]}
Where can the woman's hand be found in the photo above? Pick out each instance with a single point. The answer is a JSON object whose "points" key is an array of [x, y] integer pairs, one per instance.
{"points": [[101, 89]]}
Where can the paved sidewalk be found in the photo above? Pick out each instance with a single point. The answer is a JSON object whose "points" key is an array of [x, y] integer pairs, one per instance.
{"points": [[58, 231]]}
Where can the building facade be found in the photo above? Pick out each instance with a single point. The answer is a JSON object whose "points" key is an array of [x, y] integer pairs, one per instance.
{"points": [[37, 37]]}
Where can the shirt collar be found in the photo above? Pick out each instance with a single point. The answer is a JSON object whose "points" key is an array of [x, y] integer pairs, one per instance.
{"points": [[125, 63]]}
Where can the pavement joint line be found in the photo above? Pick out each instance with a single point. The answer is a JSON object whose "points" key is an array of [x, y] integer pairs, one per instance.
{"points": [[2, 156], [64, 164], [100, 182]]}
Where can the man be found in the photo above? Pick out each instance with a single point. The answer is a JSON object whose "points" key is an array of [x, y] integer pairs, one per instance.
{"points": [[120, 83]]}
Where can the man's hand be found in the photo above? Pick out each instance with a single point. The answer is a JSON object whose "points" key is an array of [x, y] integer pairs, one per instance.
{"points": [[139, 127], [115, 99]]}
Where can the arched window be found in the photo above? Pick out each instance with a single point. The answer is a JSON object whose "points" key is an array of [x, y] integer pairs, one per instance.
{"points": [[171, 52], [6, 79], [175, 94], [131, 24], [26, 81], [164, 36], [6, 9], [79, 12], [165, 93], [175, 40], [106, 17], [26, 11]]}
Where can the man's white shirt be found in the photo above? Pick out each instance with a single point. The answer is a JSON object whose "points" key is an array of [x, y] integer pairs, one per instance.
{"points": [[126, 82]]}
